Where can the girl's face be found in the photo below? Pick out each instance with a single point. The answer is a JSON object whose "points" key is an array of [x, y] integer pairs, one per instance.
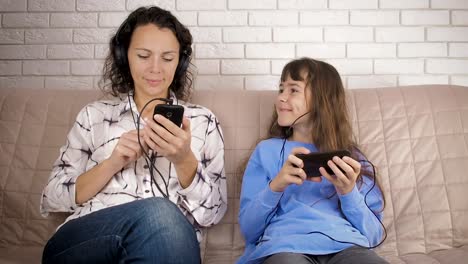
{"points": [[293, 100], [153, 56]]}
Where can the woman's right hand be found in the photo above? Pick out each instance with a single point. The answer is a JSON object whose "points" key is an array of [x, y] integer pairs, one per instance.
{"points": [[127, 149], [291, 172]]}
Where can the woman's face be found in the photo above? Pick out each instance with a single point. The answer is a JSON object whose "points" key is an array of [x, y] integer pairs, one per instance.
{"points": [[153, 56], [292, 102]]}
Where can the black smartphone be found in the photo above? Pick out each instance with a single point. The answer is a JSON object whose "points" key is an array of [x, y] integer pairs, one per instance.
{"points": [[175, 113], [313, 161]]}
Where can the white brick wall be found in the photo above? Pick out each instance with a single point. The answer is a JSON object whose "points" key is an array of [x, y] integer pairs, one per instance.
{"points": [[243, 44]]}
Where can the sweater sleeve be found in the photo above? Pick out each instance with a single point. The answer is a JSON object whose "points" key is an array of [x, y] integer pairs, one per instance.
{"points": [[258, 202], [363, 209], [206, 197], [59, 193]]}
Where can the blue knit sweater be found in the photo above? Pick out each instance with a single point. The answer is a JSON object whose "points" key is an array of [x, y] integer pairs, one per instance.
{"points": [[304, 218]]}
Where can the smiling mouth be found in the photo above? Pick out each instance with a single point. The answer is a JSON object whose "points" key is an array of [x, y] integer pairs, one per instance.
{"points": [[153, 82]]}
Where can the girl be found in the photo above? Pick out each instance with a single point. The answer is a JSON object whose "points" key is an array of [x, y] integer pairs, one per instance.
{"points": [[139, 190], [287, 216]]}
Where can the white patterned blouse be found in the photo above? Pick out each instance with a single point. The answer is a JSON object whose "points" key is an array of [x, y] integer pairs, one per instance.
{"points": [[92, 139]]}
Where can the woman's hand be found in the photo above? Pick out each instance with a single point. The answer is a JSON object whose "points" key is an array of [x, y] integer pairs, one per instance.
{"points": [[167, 139], [127, 149], [291, 172], [343, 182]]}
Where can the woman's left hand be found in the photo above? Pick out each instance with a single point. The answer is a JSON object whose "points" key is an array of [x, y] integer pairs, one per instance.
{"points": [[343, 182], [167, 139]]}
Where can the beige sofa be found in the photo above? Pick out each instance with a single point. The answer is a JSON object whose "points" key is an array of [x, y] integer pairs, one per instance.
{"points": [[417, 136]]}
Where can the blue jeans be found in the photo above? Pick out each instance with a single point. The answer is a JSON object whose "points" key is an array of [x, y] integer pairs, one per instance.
{"points": [[152, 230]]}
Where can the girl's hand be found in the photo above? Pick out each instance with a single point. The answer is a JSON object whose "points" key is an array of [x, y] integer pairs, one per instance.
{"points": [[127, 149], [343, 182], [291, 172], [169, 140]]}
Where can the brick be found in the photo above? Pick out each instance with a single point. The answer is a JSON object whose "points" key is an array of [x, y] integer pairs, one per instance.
{"points": [[206, 34], [216, 82], [274, 51], [13, 5], [447, 34], [187, 18], [235, 18], [404, 4], [398, 66], [102, 5], [219, 51], [207, 66], [353, 4], [46, 67], [458, 49], [399, 34], [164, 4], [416, 50], [459, 80], [276, 18], [101, 51], [352, 66], [371, 50], [422, 79], [76, 51], [327, 50], [460, 17], [449, 4], [447, 66], [302, 4], [262, 82], [87, 67], [93, 35], [112, 19], [298, 34], [10, 67], [247, 34], [250, 5], [11, 36], [200, 5], [277, 66], [38, 36], [22, 82], [69, 82], [51, 5], [349, 34], [26, 20], [325, 18], [356, 82], [427, 17], [375, 18], [73, 20], [245, 67], [22, 52]]}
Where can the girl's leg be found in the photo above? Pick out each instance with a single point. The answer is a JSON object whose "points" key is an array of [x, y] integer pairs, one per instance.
{"points": [[356, 255], [288, 258], [145, 231]]}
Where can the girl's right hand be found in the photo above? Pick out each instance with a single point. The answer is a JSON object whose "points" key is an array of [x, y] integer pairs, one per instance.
{"points": [[291, 172], [127, 149]]}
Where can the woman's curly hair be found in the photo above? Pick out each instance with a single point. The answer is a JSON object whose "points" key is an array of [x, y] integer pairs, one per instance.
{"points": [[117, 78]]}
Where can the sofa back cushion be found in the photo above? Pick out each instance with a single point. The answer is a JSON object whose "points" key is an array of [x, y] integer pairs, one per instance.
{"points": [[417, 137]]}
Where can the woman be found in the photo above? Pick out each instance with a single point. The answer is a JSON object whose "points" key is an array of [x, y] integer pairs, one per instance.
{"points": [[139, 187], [287, 216]]}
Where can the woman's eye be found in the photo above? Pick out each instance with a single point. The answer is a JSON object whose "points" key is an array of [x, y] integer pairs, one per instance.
{"points": [[168, 59], [142, 56]]}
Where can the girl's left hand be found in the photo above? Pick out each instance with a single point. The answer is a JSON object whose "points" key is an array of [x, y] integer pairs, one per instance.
{"points": [[343, 182], [167, 139]]}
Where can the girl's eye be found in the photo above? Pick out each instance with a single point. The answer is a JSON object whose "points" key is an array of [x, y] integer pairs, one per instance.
{"points": [[281, 90], [294, 90]]}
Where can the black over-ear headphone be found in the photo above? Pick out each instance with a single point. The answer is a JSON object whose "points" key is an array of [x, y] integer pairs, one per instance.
{"points": [[120, 54]]}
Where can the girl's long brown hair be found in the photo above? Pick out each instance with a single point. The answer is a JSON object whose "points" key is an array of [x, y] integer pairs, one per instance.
{"points": [[331, 126]]}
